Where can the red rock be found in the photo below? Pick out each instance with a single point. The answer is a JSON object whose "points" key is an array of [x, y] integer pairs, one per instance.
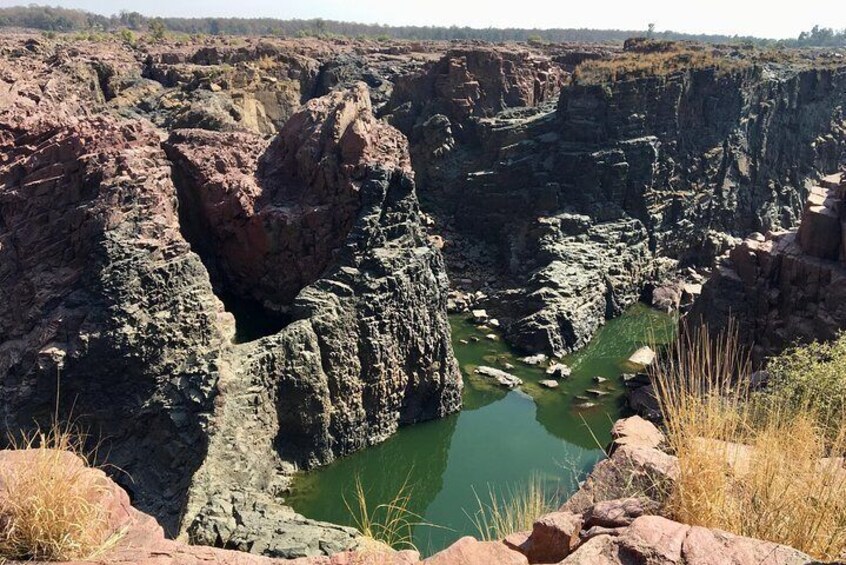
{"points": [[275, 215], [819, 232], [619, 512], [142, 540], [630, 470], [637, 432], [470, 551], [518, 541], [790, 288], [553, 536]]}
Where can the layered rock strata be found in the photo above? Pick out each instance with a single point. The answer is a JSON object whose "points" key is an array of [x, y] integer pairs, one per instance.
{"points": [[785, 287], [110, 314], [673, 166]]}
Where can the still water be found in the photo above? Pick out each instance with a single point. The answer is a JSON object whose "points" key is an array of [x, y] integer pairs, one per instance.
{"points": [[500, 440]]}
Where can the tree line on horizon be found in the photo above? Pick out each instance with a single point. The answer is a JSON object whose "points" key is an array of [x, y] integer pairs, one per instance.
{"points": [[58, 19]]}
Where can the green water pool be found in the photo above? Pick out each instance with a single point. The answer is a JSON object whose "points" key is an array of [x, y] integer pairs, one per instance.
{"points": [[499, 441]]}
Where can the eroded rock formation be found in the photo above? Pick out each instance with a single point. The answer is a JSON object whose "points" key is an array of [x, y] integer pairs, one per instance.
{"points": [[635, 171], [109, 312], [785, 286], [477, 81]]}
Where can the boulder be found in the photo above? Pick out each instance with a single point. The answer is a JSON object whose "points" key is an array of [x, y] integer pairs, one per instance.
{"points": [[642, 358], [470, 551], [502, 377], [667, 297], [619, 512], [636, 432], [559, 371], [554, 536]]}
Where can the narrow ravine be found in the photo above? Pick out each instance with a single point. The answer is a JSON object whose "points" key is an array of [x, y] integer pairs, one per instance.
{"points": [[500, 439]]}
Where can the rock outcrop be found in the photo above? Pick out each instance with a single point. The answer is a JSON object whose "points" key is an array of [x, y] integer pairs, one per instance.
{"points": [[788, 286], [141, 540], [477, 81], [670, 167], [108, 310]]}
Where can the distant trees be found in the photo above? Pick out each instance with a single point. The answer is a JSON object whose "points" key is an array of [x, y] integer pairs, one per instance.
{"points": [[64, 19], [822, 37], [157, 29]]}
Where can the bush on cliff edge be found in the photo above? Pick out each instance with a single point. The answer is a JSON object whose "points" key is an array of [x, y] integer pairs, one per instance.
{"points": [[49, 501]]}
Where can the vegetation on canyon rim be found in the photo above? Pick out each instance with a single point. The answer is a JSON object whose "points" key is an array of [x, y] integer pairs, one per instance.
{"points": [[49, 507], [764, 464]]}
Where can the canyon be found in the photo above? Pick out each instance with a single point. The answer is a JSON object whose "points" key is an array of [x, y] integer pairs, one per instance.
{"points": [[233, 259]]}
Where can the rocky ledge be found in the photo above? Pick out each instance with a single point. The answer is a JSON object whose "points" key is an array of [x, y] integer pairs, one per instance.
{"points": [[785, 286], [605, 522]]}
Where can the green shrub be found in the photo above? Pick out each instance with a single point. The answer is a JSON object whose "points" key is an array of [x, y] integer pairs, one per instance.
{"points": [[812, 379], [127, 36]]}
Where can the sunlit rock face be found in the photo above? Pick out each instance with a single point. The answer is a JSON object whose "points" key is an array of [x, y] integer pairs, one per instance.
{"points": [[124, 260]]}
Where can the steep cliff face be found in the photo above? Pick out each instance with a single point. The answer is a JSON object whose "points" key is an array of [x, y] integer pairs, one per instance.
{"points": [[107, 304], [673, 165], [104, 303], [787, 286], [473, 82]]}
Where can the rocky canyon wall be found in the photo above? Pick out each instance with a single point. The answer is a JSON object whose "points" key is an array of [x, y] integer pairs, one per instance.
{"points": [[110, 305], [785, 287], [585, 204]]}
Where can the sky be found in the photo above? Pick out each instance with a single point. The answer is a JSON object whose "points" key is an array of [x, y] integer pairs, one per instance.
{"points": [[773, 18]]}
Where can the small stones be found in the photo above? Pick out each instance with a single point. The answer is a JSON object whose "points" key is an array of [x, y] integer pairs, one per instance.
{"points": [[548, 383], [492, 337], [597, 392], [599, 380], [534, 359], [503, 378], [559, 371]]}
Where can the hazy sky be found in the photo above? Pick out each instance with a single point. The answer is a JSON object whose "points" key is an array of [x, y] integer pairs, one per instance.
{"points": [[774, 18]]}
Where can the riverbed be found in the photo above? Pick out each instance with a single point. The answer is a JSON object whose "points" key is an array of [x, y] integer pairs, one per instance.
{"points": [[499, 441]]}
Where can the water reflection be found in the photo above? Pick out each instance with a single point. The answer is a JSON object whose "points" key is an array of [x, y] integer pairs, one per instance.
{"points": [[501, 438]]}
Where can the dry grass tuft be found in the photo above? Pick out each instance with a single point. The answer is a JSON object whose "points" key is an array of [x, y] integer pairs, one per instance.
{"points": [[512, 511], [48, 506], [750, 463], [391, 523]]}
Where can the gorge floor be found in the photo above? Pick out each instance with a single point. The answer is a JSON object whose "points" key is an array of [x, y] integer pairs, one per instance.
{"points": [[500, 439]]}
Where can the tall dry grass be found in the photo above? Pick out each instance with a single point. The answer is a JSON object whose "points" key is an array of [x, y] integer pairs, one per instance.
{"points": [[755, 464], [515, 510], [390, 523], [48, 500]]}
